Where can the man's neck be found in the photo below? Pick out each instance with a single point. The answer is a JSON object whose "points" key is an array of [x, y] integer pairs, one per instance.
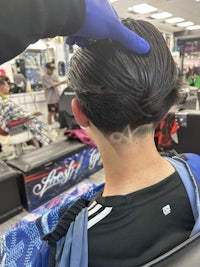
{"points": [[132, 167]]}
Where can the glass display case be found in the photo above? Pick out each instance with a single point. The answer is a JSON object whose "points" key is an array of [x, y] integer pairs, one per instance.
{"points": [[34, 63]]}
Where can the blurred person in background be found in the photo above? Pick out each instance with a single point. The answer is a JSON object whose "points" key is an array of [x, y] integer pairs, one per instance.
{"points": [[51, 82], [10, 111], [19, 80]]}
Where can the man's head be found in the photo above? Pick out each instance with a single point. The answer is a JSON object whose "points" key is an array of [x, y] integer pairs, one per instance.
{"points": [[4, 88], [50, 67], [120, 91]]}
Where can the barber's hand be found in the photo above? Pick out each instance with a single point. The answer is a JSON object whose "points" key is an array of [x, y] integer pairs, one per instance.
{"points": [[37, 113], [102, 22]]}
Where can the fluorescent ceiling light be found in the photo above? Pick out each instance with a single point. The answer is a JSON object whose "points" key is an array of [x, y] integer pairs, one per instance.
{"points": [[174, 20], [185, 24], [143, 8], [162, 15], [112, 1], [195, 27]]}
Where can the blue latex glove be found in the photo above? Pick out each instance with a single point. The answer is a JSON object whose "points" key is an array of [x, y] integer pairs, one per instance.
{"points": [[102, 22]]}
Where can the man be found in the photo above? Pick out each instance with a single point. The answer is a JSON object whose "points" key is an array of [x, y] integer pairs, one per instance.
{"points": [[51, 83], [19, 80], [10, 111], [144, 209]]}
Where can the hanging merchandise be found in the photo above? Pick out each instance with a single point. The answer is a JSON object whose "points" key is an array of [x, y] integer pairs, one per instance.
{"points": [[197, 82]]}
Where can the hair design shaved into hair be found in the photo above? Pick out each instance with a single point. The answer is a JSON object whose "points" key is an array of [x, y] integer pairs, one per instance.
{"points": [[118, 88]]}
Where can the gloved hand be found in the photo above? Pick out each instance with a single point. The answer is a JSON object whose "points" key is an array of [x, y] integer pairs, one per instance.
{"points": [[102, 22]]}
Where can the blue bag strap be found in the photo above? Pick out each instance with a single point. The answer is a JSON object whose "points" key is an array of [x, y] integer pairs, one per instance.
{"points": [[75, 251], [191, 187], [193, 160]]}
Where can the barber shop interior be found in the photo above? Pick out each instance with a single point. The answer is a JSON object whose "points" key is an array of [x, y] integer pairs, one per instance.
{"points": [[52, 154]]}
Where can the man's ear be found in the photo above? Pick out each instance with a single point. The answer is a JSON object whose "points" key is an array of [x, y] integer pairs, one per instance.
{"points": [[78, 113]]}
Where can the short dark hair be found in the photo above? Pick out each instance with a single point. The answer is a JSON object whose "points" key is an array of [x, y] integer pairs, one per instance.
{"points": [[50, 65], [4, 78], [118, 88], [2, 82]]}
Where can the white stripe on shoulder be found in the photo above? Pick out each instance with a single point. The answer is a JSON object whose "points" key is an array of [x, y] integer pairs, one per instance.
{"points": [[93, 204], [95, 209], [99, 217]]}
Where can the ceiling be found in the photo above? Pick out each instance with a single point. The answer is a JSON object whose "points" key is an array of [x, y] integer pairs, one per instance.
{"points": [[189, 10]]}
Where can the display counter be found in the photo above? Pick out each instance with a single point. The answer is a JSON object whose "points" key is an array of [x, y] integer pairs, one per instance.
{"points": [[51, 170], [10, 204]]}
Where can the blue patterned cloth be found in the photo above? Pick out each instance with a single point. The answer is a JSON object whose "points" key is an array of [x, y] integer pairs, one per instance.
{"points": [[20, 243]]}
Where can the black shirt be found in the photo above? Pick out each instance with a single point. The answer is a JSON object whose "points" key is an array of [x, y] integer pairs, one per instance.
{"points": [[130, 230]]}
